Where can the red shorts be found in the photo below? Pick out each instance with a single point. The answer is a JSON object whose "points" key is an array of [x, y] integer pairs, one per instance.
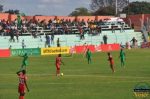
{"points": [[21, 88], [57, 66], [111, 62]]}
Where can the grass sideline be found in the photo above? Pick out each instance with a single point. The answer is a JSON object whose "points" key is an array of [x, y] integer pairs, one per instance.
{"points": [[80, 80]]}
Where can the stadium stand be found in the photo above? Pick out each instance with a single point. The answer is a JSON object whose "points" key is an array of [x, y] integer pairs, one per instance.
{"points": [[72, 31]]}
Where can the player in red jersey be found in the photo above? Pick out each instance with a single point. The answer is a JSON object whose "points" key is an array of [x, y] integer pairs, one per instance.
{"points": [[111, 61], [22, 83], [58, 63]]}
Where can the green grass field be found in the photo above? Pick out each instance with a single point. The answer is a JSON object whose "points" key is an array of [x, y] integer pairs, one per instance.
{"points": [[80, 80]]}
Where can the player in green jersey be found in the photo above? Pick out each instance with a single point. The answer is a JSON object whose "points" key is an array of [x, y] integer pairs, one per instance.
{"points": [[88, 56], [122, 57], [24, 61]]}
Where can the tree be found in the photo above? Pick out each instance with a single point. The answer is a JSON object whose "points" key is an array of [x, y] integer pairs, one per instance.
{"points": [[1, 8], [105, 11], [22, 14], [101, 4], [80, 12], [137, 8], [13, 11]]}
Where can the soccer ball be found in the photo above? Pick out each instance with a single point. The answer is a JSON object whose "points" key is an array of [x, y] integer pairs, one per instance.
{"points": [[61, 74]]}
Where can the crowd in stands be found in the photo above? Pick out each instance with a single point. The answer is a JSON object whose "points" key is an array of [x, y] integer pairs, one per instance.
{"points": [[55, 26]]}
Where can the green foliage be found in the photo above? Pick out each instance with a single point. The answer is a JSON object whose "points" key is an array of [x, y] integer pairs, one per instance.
{"points": [[137, 8], [101, 4], [80, 12], [81, 80], [13, 11], [105, 11], [107, 7], [22, 14]]}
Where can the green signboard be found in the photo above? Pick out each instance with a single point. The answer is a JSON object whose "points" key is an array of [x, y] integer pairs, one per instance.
{"points": [[29, 51]]}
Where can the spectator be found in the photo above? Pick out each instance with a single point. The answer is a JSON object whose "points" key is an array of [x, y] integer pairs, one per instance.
{"points": [[17, 35], [10, 47], [47, 43], [105, 39], [132, 25], [113, 29], [52, 38], [1, 30], [12, 35], [58, 43], [23, 44], [149, 36], [81, 32], [122, 27], [128, 45], [134, 42], [99, 30]]}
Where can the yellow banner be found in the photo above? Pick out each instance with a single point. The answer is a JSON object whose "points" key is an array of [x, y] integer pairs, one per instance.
{"points": [[55, 50]]}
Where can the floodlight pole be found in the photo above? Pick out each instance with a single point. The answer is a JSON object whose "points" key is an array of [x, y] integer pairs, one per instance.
{"points": [[116, 7], [128, 7]]}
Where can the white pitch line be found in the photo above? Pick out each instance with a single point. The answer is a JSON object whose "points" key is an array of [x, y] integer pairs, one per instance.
{"points": [[98, 76], [108, 76], [125, 81], [60, 83]]}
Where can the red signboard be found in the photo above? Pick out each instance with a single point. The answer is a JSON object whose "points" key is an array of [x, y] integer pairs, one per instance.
{"points": [[145, 45], [83, 48], [93, 48], [110, 47], [4, 53]]}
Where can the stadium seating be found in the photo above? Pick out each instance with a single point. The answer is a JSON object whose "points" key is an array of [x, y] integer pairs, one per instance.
{"points": [[72, 40]]}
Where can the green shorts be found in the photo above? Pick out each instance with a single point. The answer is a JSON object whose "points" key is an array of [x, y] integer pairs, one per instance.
{"points": [[24, 63], [122, 59]]}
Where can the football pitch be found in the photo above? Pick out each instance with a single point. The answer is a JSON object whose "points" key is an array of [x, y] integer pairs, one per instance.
{"points": [[80, 80]]}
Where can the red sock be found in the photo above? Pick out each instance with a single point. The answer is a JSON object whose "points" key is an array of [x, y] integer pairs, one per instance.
{"points": [[57, 72], [21, 97]]}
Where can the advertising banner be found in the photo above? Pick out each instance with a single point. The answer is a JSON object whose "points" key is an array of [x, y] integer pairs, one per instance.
{"points": [[4, 53], [83, 48], [55, 50], [29, 51], [109, 47], [145, 45], [97, 48]]}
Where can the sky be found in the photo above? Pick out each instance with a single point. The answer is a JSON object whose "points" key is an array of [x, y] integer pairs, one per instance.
{"points": [[47, 7]]}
